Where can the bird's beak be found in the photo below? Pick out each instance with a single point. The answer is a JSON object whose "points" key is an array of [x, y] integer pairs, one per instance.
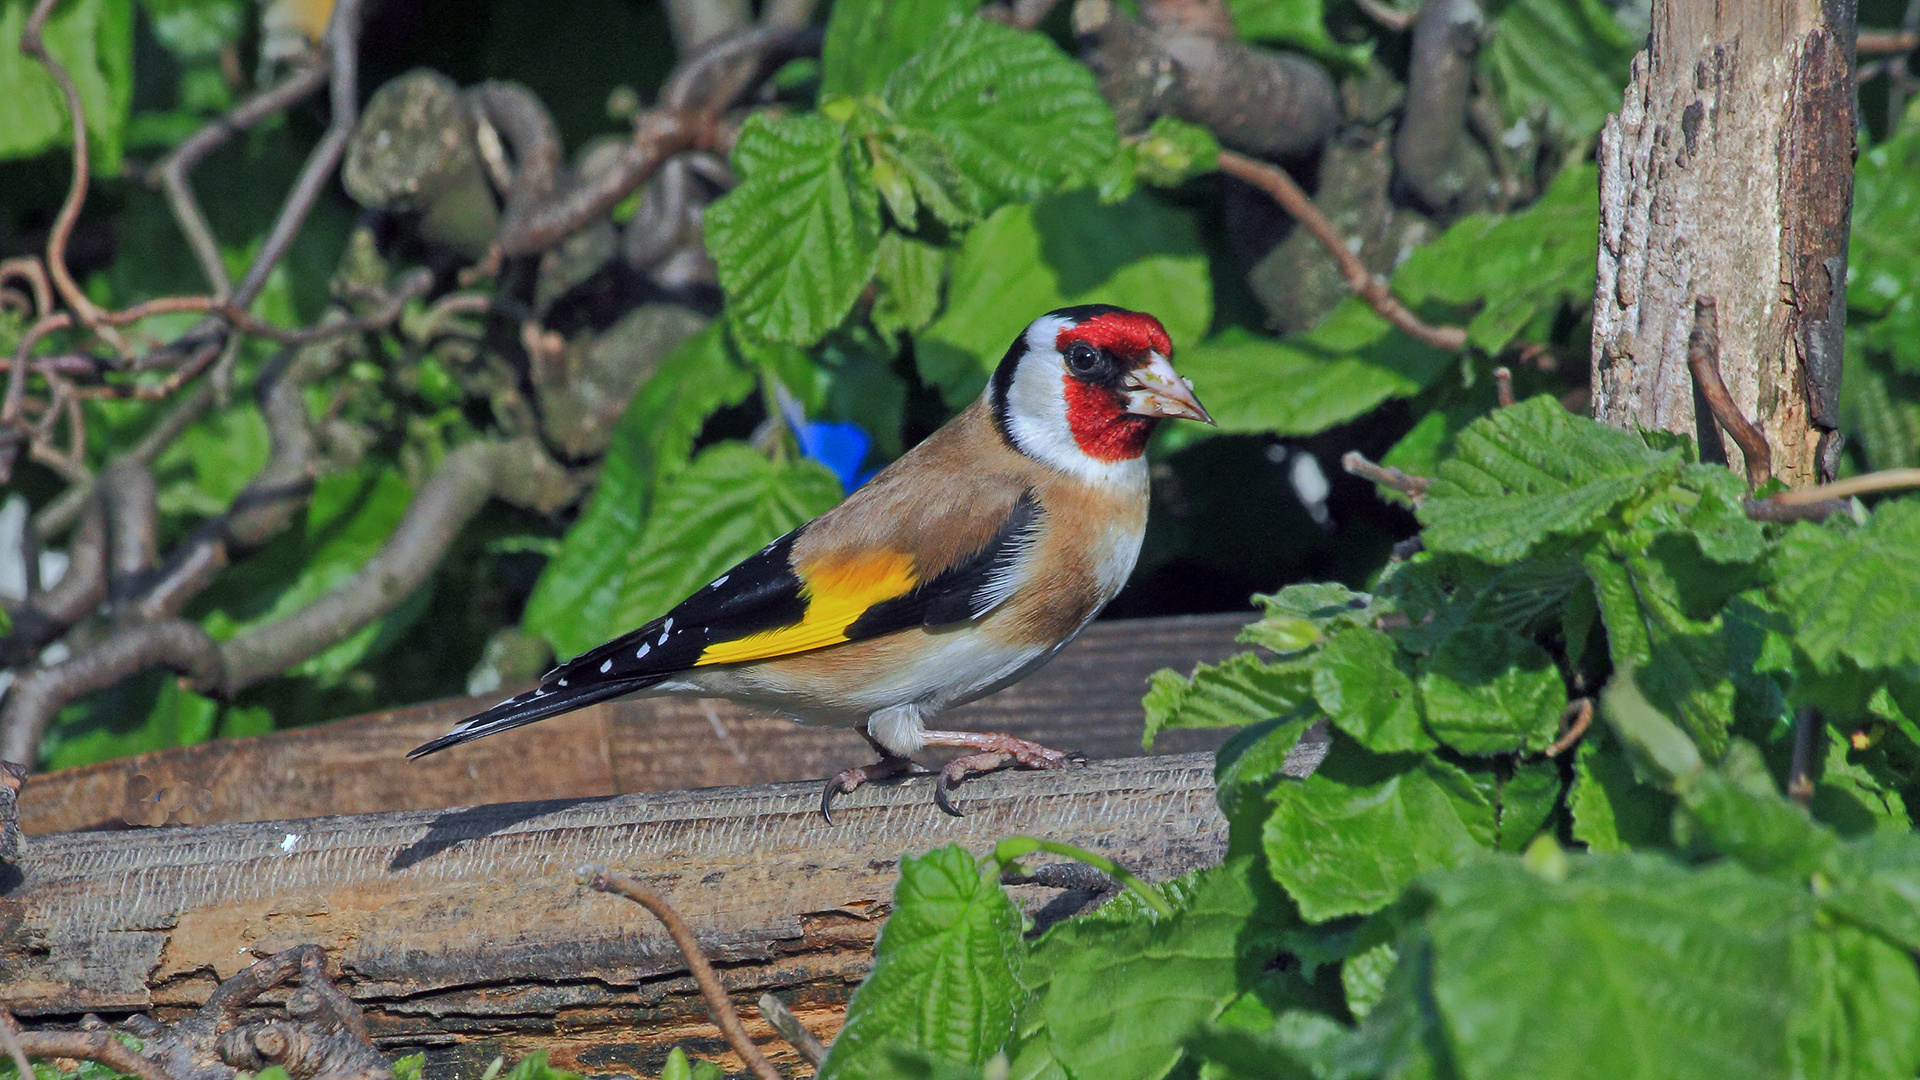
{"points": [[1155, 389]]}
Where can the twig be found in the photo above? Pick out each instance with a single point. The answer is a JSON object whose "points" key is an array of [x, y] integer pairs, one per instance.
{"points": [[1886, 42], [1277, 184], [38, 695], [90, 313], [1574, 721], [1800, 772], [600, 879], [343, 39], [98, 1045], [1885, 480], [1386, 16], [1413, 487], [10, 1034], [173, 172], [775, 1012], [1703, 356], [1503, 387]]}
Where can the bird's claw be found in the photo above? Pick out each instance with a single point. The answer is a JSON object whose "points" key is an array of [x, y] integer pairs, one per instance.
{"points": [[1027, 755], [850, 779]]}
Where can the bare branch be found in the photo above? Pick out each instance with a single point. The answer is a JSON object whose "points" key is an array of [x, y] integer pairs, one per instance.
{"points": [[90, 313], [1800, 769], [343, 48], [775, 1012], [1574, 722], [1413, 487], [600, 879], [1503, 387], [173, 173], [1446, 37], [1886, 42], [1867, 483], [36, 696], [98, 1045], [1277, 184], [1703, 356]]}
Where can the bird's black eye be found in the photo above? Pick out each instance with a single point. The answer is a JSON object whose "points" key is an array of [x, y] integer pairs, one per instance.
{"points": [[1082, 359]]}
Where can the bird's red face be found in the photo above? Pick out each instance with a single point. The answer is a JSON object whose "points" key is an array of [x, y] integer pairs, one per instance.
{"points": [[1082, 388], [1119, 382]]}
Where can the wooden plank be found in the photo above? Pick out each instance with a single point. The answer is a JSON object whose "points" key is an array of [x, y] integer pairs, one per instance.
{"points": [[1086, 699], [463, 931]]}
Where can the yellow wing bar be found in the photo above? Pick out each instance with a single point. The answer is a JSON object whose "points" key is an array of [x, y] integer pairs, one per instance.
{"points": [[836, 592]]}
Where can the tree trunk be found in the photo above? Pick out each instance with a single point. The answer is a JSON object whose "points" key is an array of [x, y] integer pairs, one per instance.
{"points": [[1728, 175]]}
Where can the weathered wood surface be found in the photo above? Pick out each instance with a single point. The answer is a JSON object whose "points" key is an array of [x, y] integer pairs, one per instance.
{"points": [[1086, 699], [463, 931]]}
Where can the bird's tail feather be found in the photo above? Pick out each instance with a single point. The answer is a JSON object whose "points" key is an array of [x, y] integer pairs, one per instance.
{"points": [[537, 704]]}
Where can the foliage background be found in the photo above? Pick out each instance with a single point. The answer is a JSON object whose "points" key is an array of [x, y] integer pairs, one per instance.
{"points": [[889, 227]]}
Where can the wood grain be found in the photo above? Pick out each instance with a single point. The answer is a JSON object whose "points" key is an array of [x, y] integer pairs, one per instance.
{"points": [[1086, 699], [463, 931]]}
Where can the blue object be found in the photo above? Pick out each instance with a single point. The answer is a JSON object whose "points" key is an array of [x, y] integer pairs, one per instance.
{"points": [[842, 448]]}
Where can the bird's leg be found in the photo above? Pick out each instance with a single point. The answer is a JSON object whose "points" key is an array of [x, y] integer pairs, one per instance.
{"points": [[991, 751], [889, 765]]}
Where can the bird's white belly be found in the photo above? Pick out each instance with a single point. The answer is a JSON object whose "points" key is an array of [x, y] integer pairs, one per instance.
{"points": [[942, 670]]}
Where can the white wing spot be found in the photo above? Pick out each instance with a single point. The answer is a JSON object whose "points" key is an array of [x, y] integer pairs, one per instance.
{"points": [[663, 638], [563, 682], [644, 650], [606, 667], [719, 581]]}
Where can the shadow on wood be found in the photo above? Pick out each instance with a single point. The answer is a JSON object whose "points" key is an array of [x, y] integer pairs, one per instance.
{"points": [[1087, 699]]}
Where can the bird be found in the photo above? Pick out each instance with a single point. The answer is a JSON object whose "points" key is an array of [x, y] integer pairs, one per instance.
{"points": [[957, 570]]}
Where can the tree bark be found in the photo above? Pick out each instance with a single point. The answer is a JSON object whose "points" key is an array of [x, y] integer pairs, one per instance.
{"points": [[1728, 174], [464, 933]]}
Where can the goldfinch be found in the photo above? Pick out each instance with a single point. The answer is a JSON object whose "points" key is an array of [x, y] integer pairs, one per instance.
{"points": [[957, 570]]}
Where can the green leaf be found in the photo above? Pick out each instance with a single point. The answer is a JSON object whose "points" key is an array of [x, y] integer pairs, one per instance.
{"points": [[1341, 369], [720, 509], [796, 240], [1347, 839], [1491, 691], [1683, 663], [1012, 117], [1632, 966], [1875, 882], [1300, 24], [910, 273], [1519, 269], [1361, 680], [1298, 615], [1028, 259], [196, 30], [1242, 689], [571, 605], [408, 1067], [1169, 153], [200, 473], [867, 40], [1533, 471], [1611, 810], [946, 972], [1881, 412], [1852, 591], [125, 721], [534, 1067], [93, 40], [1122, 995], [1883, 275], [349, 518], [1570, 56]]}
